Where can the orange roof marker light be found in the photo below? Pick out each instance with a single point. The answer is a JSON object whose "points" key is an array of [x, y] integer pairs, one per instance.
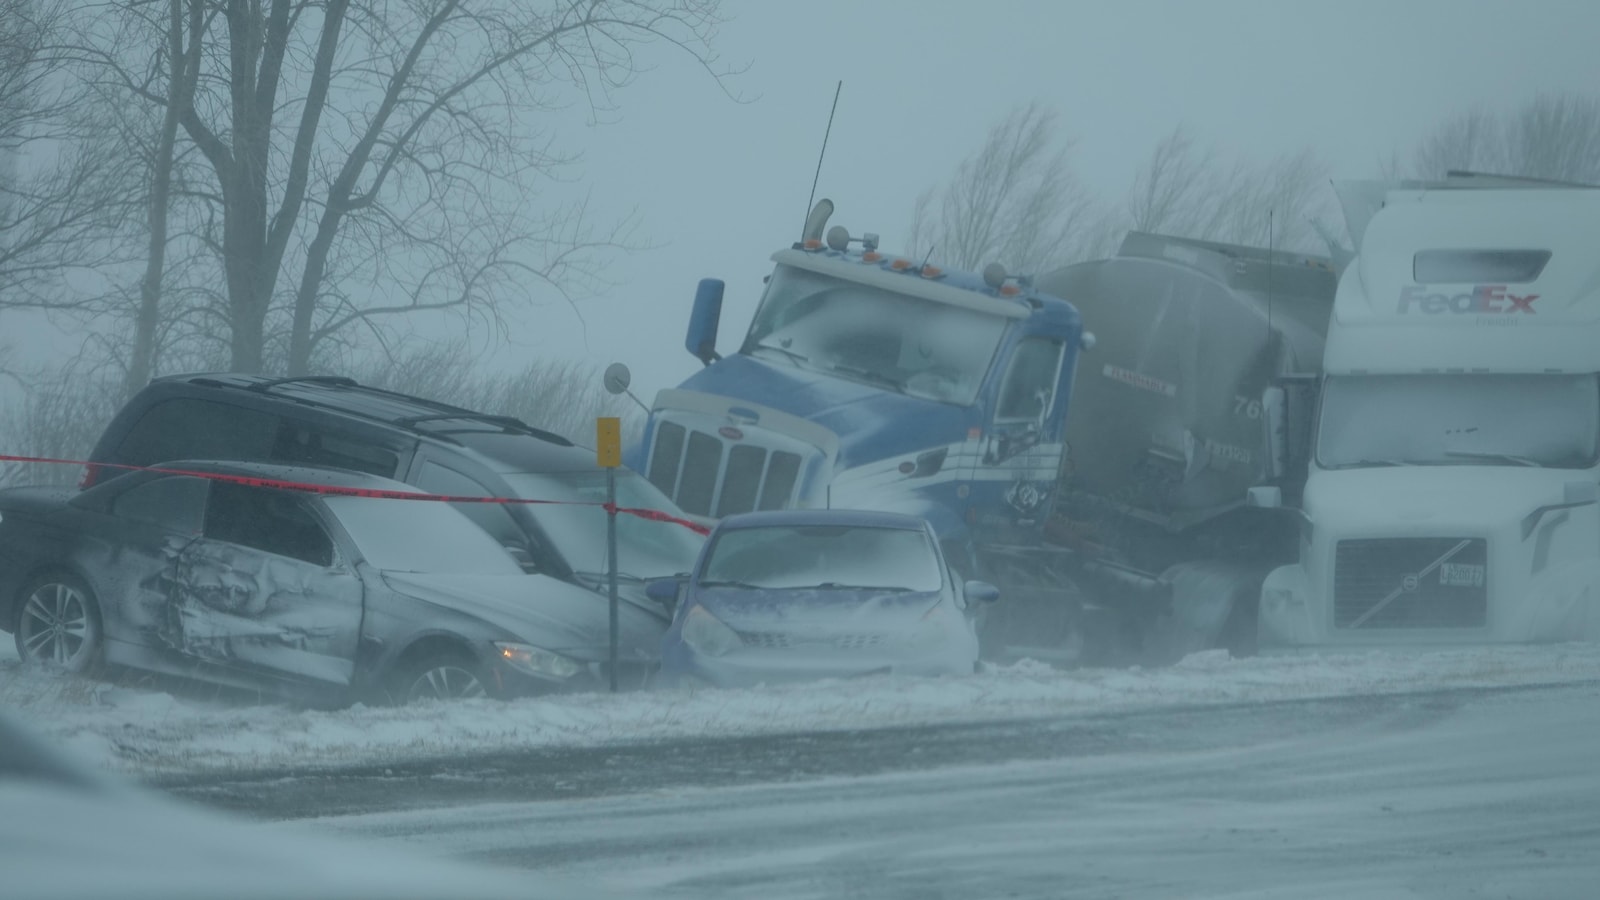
{"points": [[932, 272], [900, 265], [811, 244], [1009, 290], [871, 256]]}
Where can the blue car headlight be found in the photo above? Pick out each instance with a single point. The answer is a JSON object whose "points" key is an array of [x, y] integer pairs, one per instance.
{"points": [[537, 661], [705, 633]]}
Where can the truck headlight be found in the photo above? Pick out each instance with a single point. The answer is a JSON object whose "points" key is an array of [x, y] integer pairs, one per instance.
{"points": [[707, 634], [537, 661]]}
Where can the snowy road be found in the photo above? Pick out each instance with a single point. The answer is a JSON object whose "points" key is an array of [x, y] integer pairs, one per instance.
{"points": [[1455, 794]]}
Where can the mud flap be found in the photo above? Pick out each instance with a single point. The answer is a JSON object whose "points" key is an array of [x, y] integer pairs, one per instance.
{"points": [[1214, 605]]}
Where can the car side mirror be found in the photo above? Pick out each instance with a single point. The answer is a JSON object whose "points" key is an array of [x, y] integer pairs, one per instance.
{"points": [[665, 591], [522, 555], [981, 591]]}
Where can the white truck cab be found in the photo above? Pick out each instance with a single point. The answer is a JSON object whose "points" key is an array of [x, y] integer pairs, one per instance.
{"points": [[1454, 470]]}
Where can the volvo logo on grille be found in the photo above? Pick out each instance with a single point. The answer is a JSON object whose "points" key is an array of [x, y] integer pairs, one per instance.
{"points": [[1409, 583], [731, 433]]}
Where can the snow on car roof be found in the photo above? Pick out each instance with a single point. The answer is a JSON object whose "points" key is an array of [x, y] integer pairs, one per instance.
{"points": [[304, 474], [861, 517]]}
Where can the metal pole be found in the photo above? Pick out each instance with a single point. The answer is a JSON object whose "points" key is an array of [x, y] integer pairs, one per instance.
{"points": [[611, 566]]}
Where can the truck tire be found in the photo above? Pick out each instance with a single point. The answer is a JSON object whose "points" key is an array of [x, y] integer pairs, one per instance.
{"points": [[1214, 606]]}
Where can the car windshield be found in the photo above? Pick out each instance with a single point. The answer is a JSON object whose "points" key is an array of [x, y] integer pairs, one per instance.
{"points": [[645, 548], [1529, 420], [418, 536], [829, 556], [891, 341]]}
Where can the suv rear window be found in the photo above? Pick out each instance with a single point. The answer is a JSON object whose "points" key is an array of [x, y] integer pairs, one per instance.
{"points": [[198, 429]]}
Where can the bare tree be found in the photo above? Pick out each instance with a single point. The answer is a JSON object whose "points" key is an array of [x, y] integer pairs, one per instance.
{"points": [[61, 414], [59, 206], [368, 160], [561, 396], [1552, 136], [1015, 201], [1189, 191]]}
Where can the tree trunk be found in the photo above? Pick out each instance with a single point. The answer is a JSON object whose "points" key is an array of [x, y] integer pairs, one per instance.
{"points": [[141, 362]]}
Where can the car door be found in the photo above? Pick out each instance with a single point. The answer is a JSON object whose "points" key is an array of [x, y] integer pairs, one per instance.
{"points": [[133, 563], [265, 591]]}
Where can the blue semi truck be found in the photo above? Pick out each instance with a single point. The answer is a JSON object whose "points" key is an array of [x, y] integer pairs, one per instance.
{"points": [[872, 381]]}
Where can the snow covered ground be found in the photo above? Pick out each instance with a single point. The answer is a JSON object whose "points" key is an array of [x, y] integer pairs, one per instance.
{"points": [[149, 732], [1426, 798]]}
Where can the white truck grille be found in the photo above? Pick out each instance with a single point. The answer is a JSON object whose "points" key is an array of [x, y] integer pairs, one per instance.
{"points": [[708, 474]]}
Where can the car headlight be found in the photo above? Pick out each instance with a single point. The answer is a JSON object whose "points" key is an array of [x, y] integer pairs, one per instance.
{"points": [[537, 661], [707, 634]]}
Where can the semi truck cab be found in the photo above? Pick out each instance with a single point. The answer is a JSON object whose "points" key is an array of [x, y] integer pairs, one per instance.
{"points": [[1454, 472], [873, 381]]}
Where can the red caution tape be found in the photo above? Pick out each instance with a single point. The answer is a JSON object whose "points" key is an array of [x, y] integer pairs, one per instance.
{"points": [[653, 515]]}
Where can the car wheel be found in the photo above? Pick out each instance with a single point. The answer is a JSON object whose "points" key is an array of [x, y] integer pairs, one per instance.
{"points": [[447, 677], [58, 624]]}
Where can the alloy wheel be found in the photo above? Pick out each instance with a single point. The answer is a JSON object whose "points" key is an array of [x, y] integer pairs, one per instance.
{"points": [[446, 682], [57, 627]]}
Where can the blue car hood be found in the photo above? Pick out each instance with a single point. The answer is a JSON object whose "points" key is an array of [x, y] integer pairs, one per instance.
{"points": [[871, 423], [816, 609]]}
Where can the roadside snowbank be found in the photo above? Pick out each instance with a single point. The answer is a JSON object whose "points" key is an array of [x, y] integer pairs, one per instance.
{"points": [[148, 732]]}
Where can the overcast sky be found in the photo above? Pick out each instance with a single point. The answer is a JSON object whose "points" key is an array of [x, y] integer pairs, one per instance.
{"points": [[720, 185]]}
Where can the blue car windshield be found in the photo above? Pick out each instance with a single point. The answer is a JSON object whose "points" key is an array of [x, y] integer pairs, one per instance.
{"points": [[808, 556]]}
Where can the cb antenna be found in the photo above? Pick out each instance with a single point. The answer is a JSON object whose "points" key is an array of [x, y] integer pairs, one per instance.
{"points": [[820, 156], [1271, 264]]}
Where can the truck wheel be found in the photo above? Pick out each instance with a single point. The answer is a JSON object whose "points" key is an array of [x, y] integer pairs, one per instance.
{"points": [[58, 624]]}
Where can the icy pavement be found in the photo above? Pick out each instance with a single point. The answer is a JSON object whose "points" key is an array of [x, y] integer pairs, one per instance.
{"points": [[153, 733], [1441, 797]]}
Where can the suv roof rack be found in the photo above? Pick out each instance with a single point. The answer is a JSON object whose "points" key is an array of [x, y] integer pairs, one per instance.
{"points": [[440, 411], [270, 383], [510, 423]]}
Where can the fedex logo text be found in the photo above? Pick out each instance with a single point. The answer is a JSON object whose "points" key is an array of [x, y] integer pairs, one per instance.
{"points": [[1483, 299]]}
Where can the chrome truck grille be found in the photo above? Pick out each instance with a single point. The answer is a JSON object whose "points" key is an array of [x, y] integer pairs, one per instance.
{"points": [[709, 475], [1411, 583]]}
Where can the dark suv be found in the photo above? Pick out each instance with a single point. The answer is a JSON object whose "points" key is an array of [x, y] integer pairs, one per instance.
{"points": [[334, 422]]}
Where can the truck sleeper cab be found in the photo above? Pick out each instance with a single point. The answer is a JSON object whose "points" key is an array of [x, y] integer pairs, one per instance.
{"points": [[1451, 495]]}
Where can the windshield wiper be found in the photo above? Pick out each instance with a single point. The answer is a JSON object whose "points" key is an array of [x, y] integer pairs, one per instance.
{"points": [[869, 375], [1377, 462], [836, 586], [1501, 457], [733, 584], [796, 357], [602, 576]]}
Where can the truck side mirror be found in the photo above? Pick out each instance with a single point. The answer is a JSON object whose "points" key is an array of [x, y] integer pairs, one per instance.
{"points": [[1274, 402], [701, 340]]}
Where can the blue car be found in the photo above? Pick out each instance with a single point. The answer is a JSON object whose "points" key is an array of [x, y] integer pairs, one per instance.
{"points": [[801, 594]]}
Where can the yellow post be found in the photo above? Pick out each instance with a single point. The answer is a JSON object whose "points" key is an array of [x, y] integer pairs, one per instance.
{"points": [[608, 442], [608, 454]]}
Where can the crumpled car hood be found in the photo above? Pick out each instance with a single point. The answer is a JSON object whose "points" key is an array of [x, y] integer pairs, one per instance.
{"points": [[546, 612]]}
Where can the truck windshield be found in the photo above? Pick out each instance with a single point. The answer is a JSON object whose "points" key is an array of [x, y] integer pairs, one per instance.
{"points": [[1453, 420], [892, 341]]}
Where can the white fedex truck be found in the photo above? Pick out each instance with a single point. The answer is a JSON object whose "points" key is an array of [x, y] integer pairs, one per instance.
{"points": [[1454, 470]]}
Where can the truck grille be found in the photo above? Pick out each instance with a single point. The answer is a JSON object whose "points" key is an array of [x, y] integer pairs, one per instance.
{"points": [[1427, 583], [710, 476]]}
